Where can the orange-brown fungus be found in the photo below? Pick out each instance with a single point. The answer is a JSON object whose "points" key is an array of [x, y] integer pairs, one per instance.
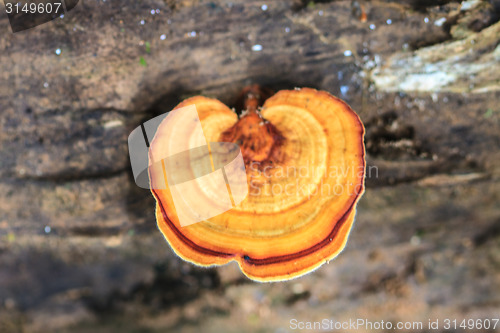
{"points": [[305, 166]]}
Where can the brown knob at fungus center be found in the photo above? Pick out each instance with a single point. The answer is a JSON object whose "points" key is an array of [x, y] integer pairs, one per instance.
{"points": [[258, 139], [305, 166]]}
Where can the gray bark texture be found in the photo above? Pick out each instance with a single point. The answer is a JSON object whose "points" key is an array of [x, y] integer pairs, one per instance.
{"points": [[79, 246]]}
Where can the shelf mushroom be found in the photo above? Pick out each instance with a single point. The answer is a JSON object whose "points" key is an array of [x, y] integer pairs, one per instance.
{"points": [[304, 160]]}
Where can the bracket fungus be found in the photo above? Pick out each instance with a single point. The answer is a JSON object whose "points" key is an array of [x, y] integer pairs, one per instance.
{"points": [[305, 165]]}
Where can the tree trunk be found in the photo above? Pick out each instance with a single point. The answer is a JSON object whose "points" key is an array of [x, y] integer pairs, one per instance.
{"points": [[78, 238]]}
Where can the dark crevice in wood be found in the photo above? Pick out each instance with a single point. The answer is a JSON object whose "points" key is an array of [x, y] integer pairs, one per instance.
{"points": [[489, 233], [388, 138], [70, 177], [299, 5], [423, 5], [171, 286]]}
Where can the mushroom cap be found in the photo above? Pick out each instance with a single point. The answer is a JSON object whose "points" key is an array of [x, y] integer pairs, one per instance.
{"points": [[305, 166]]}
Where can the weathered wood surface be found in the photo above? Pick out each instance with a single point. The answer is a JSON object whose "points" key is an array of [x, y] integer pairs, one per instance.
{"points": [[78, 238]]}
